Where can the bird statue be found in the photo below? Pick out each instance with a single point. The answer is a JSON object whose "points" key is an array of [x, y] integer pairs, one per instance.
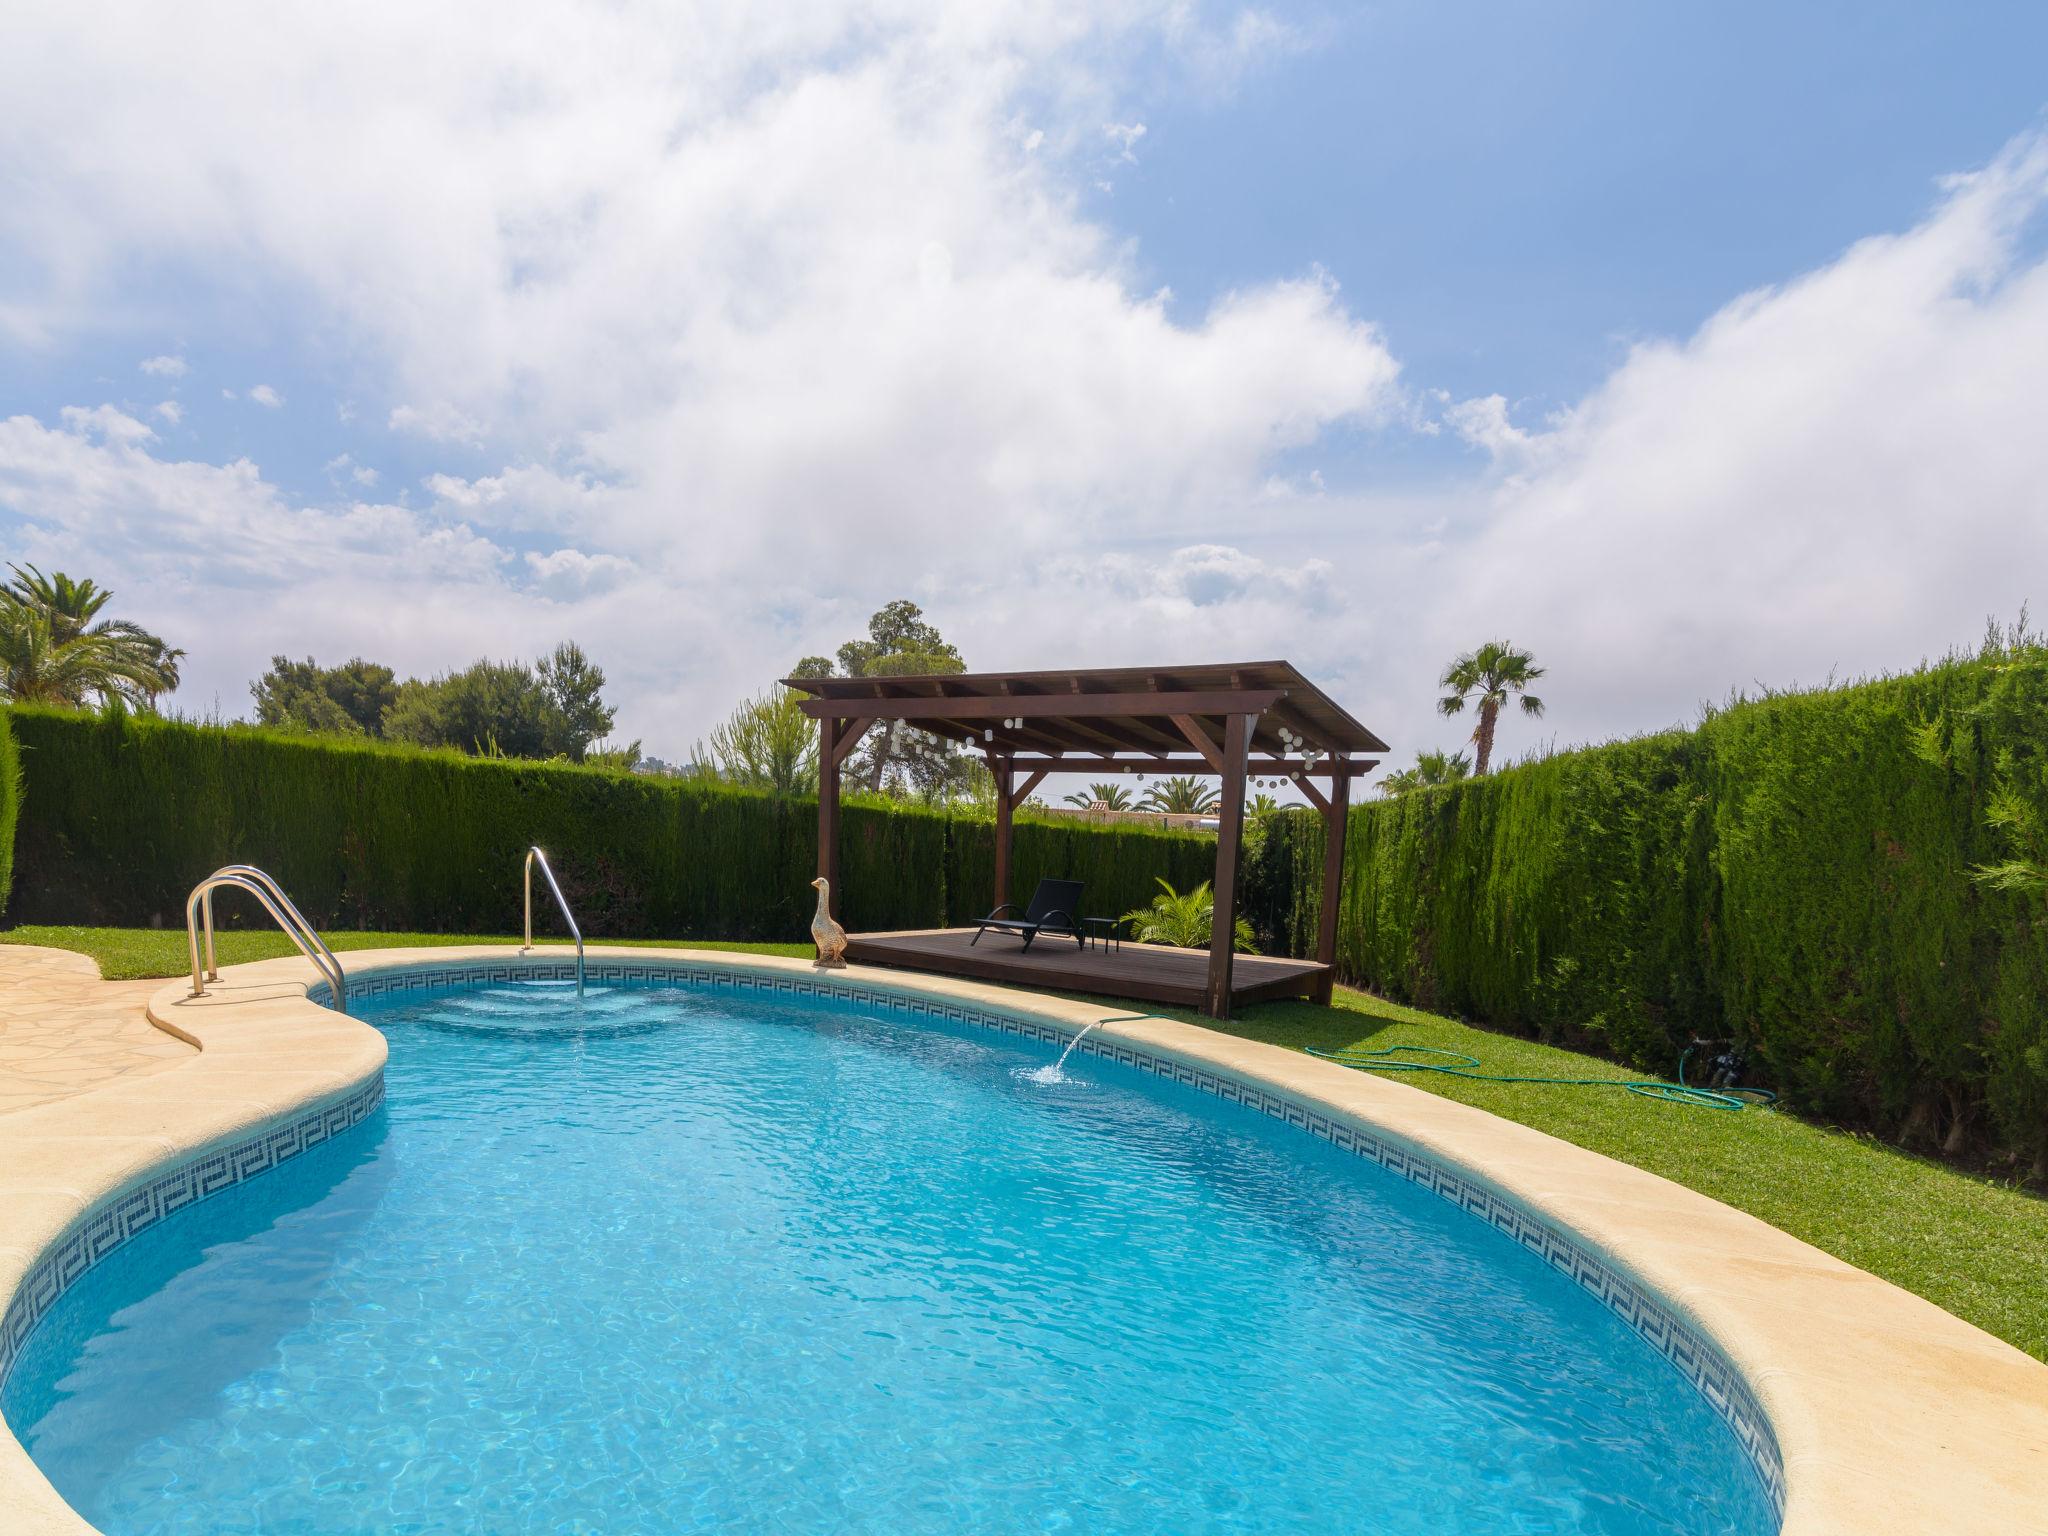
{"points": [[825, 933]]}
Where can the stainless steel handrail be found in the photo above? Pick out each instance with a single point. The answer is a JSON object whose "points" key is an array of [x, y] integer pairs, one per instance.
{"points": [[277, 894], [533, 854], [271, 897]]}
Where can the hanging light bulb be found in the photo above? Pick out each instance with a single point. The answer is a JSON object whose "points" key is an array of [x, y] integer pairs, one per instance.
{"points": [[989, 734]]}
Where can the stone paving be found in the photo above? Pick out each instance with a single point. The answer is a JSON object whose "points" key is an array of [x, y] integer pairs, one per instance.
{"points": [[63, 1031]]}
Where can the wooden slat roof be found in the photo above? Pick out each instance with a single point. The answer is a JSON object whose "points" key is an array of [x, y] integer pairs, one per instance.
{"points": [[1112, 709]]}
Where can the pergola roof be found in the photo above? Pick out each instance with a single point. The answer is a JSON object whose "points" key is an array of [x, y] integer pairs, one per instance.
{"points": [[1112, 716]]}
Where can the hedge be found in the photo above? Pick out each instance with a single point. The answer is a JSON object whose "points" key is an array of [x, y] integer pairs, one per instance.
{"points": [[1797, 873], [10, 806], [124, 812]]}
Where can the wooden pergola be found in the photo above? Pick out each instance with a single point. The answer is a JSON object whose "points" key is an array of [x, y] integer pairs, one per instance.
{"points": [[1254, 719]]}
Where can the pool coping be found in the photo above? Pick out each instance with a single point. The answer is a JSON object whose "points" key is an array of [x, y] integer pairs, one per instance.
{"points": [[1879, 1411]]}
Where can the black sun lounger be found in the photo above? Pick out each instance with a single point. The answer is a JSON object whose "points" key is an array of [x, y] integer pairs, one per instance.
{"points": [[1052, 910]]}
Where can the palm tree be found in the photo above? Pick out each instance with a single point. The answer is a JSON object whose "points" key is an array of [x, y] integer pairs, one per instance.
{"points": [[1430, 770], [51, 651], [1184, 795], [1261, 806], [1112, 795], [1489, 675], [1184, 920]]}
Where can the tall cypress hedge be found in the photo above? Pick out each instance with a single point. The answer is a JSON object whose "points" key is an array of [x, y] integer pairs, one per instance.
{"points": [[10, 805], [1797, 873], [125, 812]]}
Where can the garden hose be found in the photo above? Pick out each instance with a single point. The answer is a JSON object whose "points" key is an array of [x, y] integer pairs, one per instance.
{"points": [[1465, 1067]]}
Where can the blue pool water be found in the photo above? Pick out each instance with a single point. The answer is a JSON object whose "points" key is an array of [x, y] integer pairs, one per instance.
{"points": [[670, 1260]]}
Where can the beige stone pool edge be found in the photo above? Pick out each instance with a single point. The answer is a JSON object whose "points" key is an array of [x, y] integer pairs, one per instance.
{"points": [[1890, 1415]]}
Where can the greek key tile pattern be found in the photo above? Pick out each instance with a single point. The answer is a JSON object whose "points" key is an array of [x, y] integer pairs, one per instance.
{"points": [[1677, 1339], [127, 1216]]}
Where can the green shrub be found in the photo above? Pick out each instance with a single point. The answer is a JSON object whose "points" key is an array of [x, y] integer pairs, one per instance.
{"points": [[1796, 873], [128, 811]]}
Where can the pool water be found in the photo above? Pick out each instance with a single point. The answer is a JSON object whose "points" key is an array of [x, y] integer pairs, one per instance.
{"points": [[672, 1260]]}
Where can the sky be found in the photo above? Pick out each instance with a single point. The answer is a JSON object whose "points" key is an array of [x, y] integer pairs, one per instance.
{"points": [[1695, 349]]}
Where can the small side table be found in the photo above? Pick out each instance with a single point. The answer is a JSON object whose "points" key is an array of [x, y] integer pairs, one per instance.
{"points": [[1107, 932]]}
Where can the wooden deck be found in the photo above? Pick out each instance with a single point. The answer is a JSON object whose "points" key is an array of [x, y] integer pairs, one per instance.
{"points": [[1151, 973]]}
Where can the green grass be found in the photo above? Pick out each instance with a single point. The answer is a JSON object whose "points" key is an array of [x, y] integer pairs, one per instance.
{"points": [[1973, 1246], [126, 954]]}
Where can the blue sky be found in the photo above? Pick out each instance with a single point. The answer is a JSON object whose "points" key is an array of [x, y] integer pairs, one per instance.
{"points": [[588, 327], [1516, 192]]}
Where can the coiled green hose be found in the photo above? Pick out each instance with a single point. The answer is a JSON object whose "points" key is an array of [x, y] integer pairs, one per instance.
{"points": [[1671, 1093]]}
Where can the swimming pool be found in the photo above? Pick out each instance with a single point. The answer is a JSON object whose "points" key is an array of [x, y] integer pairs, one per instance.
{"points": [[676, 1259]]}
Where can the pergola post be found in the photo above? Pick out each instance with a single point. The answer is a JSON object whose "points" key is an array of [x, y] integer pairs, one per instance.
{"points": [[1237, 732], [1005, 814], [1336, 821], [829, 730]]}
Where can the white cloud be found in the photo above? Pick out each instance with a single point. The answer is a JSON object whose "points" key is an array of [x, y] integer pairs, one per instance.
{"points": [[771, 315], [359, 474], [440, 422], [104, 422], [1125, 137], [568, 572], [171, 411], [265, 396], [1843, 474], [1484, 423], [164, 367]]}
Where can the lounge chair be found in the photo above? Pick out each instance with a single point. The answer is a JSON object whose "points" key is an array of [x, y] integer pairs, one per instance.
{"points": [[1052, 910]]}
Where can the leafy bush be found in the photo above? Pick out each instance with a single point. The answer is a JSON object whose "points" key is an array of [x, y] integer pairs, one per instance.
{"points": [[128, 811], [1186, 919], [1837, 879]]}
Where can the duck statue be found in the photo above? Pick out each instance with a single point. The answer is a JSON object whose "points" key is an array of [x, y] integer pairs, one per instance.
{"points": [[825, 933]]}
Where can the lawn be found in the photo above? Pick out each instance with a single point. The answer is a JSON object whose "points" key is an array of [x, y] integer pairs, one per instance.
{"points": [[1973, 1246], [127, 954]]}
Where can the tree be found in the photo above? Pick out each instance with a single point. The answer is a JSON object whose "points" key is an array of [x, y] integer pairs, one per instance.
{"points": [[489, 708], [1184, 920], [350, 699], [1183, 795], [53, 652], [1111, 794], [768, 743], [574, 685], [1489, 676], [1430, 770], [1260, 806], [899, 643]]}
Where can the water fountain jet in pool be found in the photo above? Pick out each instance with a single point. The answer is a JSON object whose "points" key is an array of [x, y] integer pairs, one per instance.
{"points": [[1053, 1074]]}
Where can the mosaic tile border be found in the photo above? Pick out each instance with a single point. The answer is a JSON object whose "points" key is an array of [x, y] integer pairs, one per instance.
{"points": [[1695, 1356], [125, 1217]]}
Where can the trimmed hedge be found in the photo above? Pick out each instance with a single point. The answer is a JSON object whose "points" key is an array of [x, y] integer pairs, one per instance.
{"points": [[125, 812], [10, 805], [1796, 874]]}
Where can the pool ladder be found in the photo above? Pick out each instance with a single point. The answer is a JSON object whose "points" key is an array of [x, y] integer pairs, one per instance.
{"points": [[247, 877], [535, 856]]}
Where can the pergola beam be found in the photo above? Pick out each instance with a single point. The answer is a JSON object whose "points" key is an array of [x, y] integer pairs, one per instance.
{"points": [[849, 738], [1293, 769], [1229, 838], [1336, 833], [1071, 706], [1199, 738]]}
